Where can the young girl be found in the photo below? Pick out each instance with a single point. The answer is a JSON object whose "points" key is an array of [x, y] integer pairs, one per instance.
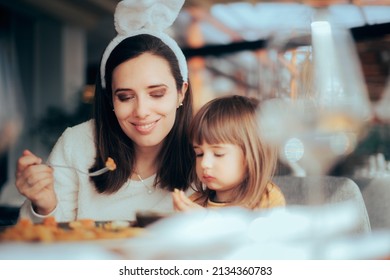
{"points": [[234, 166]]}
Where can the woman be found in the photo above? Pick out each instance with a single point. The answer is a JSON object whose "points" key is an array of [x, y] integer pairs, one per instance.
{"points": [[142, 110]]}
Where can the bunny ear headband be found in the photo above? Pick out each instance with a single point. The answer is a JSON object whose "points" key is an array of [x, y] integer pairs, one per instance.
{"points": [[135, 17]]}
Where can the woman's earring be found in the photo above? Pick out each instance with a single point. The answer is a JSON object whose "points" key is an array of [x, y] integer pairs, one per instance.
{"points": [[113, 109], [181, 104]]}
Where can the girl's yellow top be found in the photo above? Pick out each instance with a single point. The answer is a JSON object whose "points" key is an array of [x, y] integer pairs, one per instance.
{"points": [[273, 197]]}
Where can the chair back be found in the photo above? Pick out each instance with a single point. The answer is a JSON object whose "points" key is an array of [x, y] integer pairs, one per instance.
{"points": [[376, 196], [302, 190]]}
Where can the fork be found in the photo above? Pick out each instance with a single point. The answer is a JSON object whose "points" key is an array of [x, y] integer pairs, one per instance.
{"points": [[110, 166], [91, 174]]}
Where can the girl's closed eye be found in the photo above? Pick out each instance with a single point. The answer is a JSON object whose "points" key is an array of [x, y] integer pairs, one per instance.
{"points": [[219, 154], [198, 152]]}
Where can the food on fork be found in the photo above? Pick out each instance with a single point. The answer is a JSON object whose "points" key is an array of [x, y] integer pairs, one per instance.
{"points": [[110, 164]]}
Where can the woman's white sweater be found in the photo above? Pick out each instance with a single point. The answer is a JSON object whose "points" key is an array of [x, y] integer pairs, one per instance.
{"points": [[77, 197]]}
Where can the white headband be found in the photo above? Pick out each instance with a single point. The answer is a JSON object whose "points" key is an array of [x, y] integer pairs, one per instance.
{"points": [[135, 17]]}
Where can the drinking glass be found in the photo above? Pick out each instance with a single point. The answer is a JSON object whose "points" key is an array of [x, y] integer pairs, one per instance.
{"points": [[314, 101]]}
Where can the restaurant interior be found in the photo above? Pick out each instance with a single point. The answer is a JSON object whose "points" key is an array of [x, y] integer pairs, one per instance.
{"points": [[337, 182]]}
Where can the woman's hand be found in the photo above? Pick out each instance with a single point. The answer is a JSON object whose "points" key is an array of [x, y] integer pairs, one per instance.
{"points": [[182, 203], [35, 181]]}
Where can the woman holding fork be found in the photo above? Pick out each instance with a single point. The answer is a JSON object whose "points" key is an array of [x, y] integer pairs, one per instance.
{"points": [[142, 110]]}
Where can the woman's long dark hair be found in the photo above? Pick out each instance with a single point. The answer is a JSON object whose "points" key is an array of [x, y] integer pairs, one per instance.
{"points": [[176, 158]]}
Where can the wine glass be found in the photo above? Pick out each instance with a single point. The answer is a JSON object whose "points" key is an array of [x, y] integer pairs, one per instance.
{"points": [[314, 104], [314, 100]]}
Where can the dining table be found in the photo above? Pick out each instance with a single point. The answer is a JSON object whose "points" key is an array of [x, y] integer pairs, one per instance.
{"points": [[232, 233]]}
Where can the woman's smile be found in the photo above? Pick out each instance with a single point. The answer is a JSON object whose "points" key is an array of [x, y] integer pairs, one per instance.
{"points": [[145, 128]]}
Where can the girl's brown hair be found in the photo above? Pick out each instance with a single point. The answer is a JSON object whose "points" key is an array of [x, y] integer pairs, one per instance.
{"points": [[176, 157], [232, 120]]}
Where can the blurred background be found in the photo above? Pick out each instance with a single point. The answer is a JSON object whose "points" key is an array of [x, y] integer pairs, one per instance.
{"points": [[50, 52]]}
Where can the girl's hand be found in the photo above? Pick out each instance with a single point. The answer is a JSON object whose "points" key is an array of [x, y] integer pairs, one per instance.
{"points": [[182, 203], [35, 181]]}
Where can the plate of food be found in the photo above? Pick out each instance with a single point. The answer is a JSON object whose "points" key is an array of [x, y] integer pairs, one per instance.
{"points": [[50, 231]]}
